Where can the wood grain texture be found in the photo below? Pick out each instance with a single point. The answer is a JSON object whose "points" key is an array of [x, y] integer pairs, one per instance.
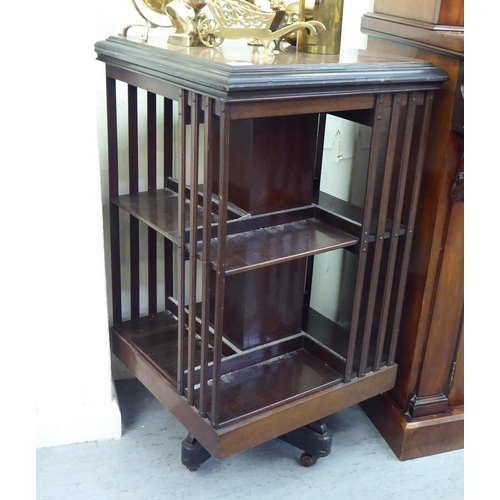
{"points": [[413, 33], [263, 305], [445, 12], [276, 244]]}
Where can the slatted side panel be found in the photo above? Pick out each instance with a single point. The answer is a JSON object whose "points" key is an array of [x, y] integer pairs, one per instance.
{"points": [[381, 223], [181, 273], [373, 163], [401, 174], [195, 103], [140, 158], [410, 209], [391, 197]]}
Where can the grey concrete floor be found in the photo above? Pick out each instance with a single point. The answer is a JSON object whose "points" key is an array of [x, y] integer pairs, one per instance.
{"points": [[145, 465]]}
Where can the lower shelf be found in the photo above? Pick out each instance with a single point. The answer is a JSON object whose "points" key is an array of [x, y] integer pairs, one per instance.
{"points": [[262, 386], [252, 381], [257, 379], [267, 392]]}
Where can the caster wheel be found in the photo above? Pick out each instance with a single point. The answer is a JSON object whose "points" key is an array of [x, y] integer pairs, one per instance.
{"points": [[192, 469], [306, 459]]}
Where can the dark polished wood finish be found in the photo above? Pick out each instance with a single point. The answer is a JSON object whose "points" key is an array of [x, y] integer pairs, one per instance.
{"points": [[424, 413], [238, 355], [272, 163]]}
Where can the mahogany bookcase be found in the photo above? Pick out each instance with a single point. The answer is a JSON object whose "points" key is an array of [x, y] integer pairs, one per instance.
{"points": [[229, 342]]}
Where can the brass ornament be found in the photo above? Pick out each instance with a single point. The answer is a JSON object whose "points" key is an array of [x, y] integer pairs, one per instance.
{"points": [[329, 13], [153, 13], [210, 22], [238, 19]]}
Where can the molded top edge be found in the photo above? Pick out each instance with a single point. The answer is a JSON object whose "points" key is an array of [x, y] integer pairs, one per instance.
{"points": [[235, 66]]}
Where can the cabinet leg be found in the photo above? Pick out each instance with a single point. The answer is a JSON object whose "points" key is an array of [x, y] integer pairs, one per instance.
{"points": [[193, 454], [315, 440]]}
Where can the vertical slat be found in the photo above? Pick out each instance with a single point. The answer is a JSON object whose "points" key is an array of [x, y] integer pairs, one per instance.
{"points": [[193, 212], [114, 222], [381, 225], [168, 142], [411, 221], [320, 144], [133, 168], [376, 138], [221, 251], [181, 212], [396, 228], [152, 249], [168, 161], [207, 216]]}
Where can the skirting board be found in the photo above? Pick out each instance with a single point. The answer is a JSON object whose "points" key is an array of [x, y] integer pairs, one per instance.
{"points": [[78, 424], [415, 437]]}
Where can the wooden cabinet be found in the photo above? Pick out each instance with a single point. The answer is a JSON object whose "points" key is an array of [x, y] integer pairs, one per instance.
{"points": [[432, 12], [232, 218], [423, 414]]}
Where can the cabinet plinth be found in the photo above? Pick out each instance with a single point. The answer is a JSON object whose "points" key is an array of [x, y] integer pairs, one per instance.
{"points": [[220, 243]]}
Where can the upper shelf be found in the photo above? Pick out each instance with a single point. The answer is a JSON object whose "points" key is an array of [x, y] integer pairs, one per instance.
{"points": [[159, 210], [252, 242], [258, 247]]}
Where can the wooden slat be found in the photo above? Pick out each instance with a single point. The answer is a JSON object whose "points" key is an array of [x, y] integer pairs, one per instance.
{"points": [[208, 106], [114, 221], [221, 261], [133, 169], [152, 242], [150, 83], [411, 220], [168, 140], [193, 213], [168, 163], [396, 233], [181, 222], [381, 226], [376, 138]]}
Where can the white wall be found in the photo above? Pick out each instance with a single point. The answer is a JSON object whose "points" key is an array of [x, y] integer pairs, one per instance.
{"points": [[75, 398], [346, 143], [59, 148]]}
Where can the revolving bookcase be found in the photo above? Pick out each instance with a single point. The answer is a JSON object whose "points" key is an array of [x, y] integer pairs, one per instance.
{"points": [[212, 258]]}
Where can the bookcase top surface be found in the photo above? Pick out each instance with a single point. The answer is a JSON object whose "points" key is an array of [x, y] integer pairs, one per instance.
{"points": [[235, 66]]}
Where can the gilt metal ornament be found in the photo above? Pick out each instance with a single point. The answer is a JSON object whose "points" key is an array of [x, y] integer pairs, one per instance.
{"points": [[210, 22], [235, 19]]}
